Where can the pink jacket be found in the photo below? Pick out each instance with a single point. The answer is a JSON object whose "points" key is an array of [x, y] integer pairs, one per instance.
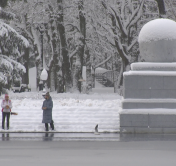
{"points": [[4, 104]]}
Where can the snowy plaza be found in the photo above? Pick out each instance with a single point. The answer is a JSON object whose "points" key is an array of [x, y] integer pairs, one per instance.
{"points": [[71, 112], [109, 66], [88, 82]]}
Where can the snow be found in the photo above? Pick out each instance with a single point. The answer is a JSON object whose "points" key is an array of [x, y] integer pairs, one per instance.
{"points": [[99, 70], [150, 100], [6, 64], [71, 112], [158, 29], [5, 29], [149, 111], [151, 73], [153, 66], [2, 78]]}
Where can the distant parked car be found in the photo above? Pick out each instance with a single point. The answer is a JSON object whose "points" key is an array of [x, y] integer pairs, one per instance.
{"points": [[20, 87]]}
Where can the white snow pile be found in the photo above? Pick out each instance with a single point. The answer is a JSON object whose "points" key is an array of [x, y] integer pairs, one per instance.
{"points": [[71, 112], [158, 29]]}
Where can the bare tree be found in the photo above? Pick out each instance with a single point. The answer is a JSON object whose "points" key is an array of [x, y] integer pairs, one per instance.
{"points": [[124, 19], [66, 70], [171, 9]]}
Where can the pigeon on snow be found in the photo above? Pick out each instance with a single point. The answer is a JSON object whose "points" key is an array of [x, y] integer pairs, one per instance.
{"points": [[96, 130]]}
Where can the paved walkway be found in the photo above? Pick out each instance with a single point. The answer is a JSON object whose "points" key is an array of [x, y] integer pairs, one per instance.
{"points": [[117, 137], [85, 153]]}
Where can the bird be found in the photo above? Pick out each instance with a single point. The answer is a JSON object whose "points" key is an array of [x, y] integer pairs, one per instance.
{"points": [[96, 130]]}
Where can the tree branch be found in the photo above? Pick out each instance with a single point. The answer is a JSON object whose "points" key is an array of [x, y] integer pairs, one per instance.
{"points": [[120, 48], [103, 62], [136, 12], [73, 53], [132, 44], [119, 20], [73, 26]]}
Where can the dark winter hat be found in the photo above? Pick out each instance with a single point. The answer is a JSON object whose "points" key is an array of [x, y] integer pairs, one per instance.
{"points": [[47, 94]]}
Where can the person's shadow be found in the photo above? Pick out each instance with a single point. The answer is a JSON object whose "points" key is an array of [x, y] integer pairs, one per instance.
{"points": [[5, 137]]}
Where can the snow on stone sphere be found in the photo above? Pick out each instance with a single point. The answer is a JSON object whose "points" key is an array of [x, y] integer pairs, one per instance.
{"points": [[158, 29], [157, 41]]}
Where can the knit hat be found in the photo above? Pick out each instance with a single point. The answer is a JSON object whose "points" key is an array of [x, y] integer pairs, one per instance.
{"points": [[47, 94], [6, 95]]}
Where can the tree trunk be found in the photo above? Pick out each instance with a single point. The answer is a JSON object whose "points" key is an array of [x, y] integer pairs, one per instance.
{"points": [[37, 55], [161, 7], [60, 83], [106, 63], [125, 61], [64, 52], [120, 77], [77, 74], [93, 78], [51, 78], [57, 65], [114, 74], [80, 43], [25, 78], [88, 72]]}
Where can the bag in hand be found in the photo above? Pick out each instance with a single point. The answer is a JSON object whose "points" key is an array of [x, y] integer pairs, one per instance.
{"points": [[14, 113]]}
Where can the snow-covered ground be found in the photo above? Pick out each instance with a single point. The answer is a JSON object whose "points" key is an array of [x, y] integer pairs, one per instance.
{"points": [[71, 112]]}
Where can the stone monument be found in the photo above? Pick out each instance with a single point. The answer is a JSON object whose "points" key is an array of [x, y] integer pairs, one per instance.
{"points": [[149, 94]]}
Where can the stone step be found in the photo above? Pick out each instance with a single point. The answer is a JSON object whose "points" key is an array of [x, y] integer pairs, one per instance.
{"points": [[148, 122], [148, 103]]}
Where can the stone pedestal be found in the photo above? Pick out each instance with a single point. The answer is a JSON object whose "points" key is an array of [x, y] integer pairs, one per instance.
{"points": [[149, 103]]}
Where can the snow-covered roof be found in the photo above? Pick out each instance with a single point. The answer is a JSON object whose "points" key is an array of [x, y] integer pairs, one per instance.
{"points": [[158, 29]]}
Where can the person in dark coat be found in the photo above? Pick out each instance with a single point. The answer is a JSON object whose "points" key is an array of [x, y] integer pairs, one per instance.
{"points": [[47, 111]]}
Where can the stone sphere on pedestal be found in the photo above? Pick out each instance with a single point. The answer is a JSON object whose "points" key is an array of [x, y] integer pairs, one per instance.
{"points": [[157, 41]]}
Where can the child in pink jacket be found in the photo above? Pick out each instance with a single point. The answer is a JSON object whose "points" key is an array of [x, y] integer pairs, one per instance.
{"points": [[6, 109]]}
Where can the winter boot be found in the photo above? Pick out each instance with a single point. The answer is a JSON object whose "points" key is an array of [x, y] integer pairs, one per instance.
{"points": [[52, 125], [46, 127]]}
